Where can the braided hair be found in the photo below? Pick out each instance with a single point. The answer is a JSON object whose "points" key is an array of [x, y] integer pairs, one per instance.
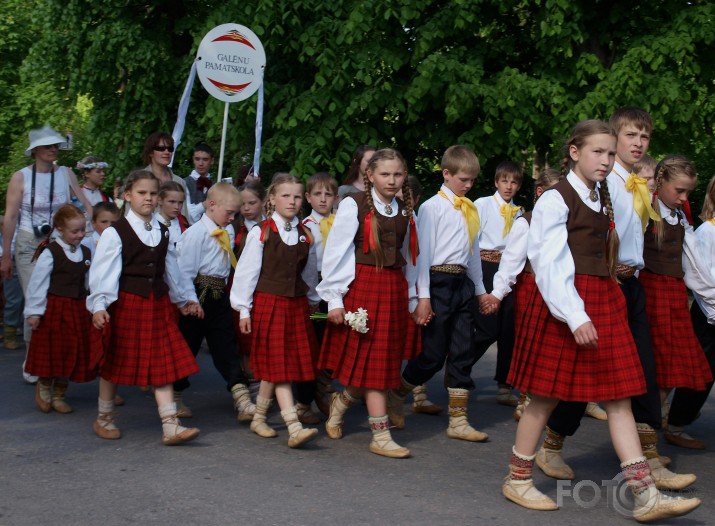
{"points": [[668, 169], [133, 177], [579, 135]]}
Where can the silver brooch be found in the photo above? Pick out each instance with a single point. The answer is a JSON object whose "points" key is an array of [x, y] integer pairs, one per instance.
{"points": [[404, 212], [301, 239], [287, 226], [147, 226], [388, 210], [86, 262], [166, 234], [593, 195], [73, 249]]}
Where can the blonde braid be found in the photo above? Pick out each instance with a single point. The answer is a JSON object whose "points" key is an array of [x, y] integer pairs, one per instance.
{"points": [[658, 225], [613, 242], [407, 199], [42, 246], [565, 165], [375, 227]]}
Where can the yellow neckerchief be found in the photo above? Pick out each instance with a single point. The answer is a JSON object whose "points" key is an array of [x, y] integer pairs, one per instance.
{"points": [[470, 213], [712, 221], [224, 242], [325, 225], [641, 199], [508, 212]]}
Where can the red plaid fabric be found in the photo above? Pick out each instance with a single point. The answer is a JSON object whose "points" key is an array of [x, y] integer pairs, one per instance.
{"points": [[142, 344], [548, 362], [679, 358], [371, 360], [283, 344], [60, 347]]}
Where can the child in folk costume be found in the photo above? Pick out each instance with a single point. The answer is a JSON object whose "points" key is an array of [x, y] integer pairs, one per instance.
{"points": [[496, 217], [133, 280], [577, 344], [449, 282], [680, 361], [171, 201], [631, 210], [370, 252], [198, 182], [104, 215], [92, 170], [515, 274], [206, 259], [55, 309], [687, 403], [276, 272], [321, 192]]}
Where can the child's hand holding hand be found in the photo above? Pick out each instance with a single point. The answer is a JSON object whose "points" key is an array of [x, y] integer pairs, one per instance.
{"points": [[313, 307], [244, 325], [100, 319], [586, 335], [423, 314], [488, 304], [34, 322]]}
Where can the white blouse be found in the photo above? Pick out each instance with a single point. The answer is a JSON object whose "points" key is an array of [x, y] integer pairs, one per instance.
{"points": [[249, 266], [698, 258], [339, 255], [106, 268], [513, 259], [39, 284], [491, 222]]}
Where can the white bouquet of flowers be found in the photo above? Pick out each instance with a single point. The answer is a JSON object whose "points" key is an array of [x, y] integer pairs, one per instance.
{"points": [[356, 320]]}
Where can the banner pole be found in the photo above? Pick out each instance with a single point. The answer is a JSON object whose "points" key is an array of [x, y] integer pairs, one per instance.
{"points": [[223, 143]]}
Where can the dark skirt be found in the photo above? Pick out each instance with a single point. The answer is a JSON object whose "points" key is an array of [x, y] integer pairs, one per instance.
{"points": [[142, 344], [283, 344], [680, 360], [548, 362], [371, 360], [60, 347]]}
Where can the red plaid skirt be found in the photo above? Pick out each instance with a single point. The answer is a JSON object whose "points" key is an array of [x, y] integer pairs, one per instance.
{"points": [[283, 344], [142, 344], [679, 358], [371, 360], [548, 362], [60, 347]]}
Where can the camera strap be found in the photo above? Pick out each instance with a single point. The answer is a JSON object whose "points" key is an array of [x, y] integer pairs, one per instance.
{"points": [[32, 193]]}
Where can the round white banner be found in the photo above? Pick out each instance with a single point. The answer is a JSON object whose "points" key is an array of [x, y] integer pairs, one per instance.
{"points": [[230, 62]]}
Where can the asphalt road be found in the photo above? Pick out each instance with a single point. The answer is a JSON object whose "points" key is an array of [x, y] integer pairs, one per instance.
{"points": [[54, 470]]}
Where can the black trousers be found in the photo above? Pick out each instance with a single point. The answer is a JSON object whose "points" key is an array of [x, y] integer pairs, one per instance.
{"points": [[449, 336], [566, 418], [217, 328], [687, 403], [304, 392], [497, 328]]}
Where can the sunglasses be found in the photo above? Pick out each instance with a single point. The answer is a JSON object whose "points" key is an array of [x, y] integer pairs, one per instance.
{"points": [[50, 146], [163, 148]]}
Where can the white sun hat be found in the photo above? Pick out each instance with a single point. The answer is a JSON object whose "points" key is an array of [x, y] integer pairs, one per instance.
{"points": [[44, 136]]}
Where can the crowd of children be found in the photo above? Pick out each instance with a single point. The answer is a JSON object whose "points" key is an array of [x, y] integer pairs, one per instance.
{"points": [[585, 297]]}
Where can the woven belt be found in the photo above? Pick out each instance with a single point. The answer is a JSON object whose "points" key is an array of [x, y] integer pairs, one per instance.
{"points": [[625, 272], [491, 256], [448, 269], [216, 285]]}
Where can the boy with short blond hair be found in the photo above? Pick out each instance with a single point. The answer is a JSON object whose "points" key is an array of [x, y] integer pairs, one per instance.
{"points": [[645, 169], [205, 258], [449, 282], [497, 213]]}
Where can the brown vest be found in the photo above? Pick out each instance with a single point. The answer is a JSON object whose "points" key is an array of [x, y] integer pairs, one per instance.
{"points": [[142, 265], [587, 232], [67, 278], [392, 234], [283, 264], [668, 259]]}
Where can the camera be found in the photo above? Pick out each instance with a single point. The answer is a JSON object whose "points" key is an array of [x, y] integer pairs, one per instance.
{"points": [[42, 229]]}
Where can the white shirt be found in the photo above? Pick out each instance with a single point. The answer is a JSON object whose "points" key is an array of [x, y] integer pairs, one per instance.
{"points": [[41, 208], [94, 196], [628, 222], [491, 222], [444, 240], [251, 261], [698, 257], [173, 226], [339, 255], [200, 253], [39, 284], [91, 241], [106, 267], [312, 222], [550, 257], [513, 259]]}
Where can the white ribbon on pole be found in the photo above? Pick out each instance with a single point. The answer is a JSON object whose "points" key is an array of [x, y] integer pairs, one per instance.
{"points": [[259, 131], [183, 110]]}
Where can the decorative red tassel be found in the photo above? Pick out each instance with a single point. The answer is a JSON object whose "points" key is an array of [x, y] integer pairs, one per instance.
{"points": [[183, 223], [268, 223], [368, 242], [304, 233], [688, 213], [611, 226], [414, 249], [239, 236]]}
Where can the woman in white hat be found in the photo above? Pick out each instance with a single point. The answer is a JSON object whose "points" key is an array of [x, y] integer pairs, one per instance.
{"points": [[34, 194]]}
